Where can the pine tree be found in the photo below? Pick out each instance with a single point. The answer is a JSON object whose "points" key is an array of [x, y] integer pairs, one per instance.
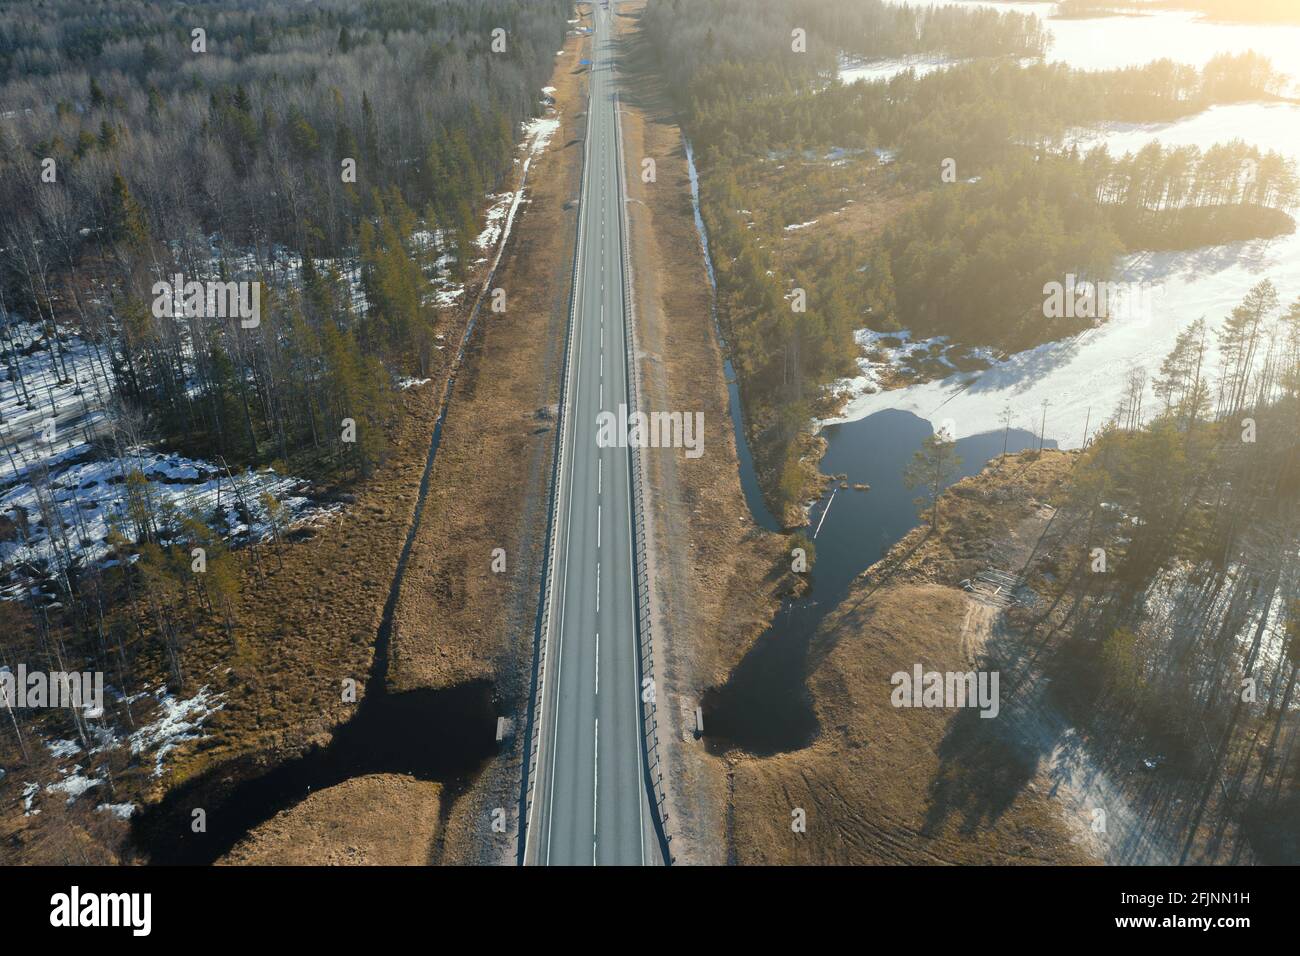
{"points": [[933, 466], [126, 219]]}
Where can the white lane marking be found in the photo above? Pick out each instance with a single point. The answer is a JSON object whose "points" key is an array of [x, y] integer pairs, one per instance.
{"points": [[598, 527], [598, 663], [600, 468], [602, 398], [595, 794], [597, 587]]}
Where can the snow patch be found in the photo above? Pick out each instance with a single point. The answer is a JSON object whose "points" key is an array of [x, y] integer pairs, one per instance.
{"points": [[60, 749], [179, 722], [74, 784], [857, 70]]}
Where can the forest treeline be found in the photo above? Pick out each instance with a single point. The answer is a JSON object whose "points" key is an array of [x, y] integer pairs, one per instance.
{"points": [[1180, 593], [709, 48], [227, 163], [998, 199], [1249, 11], [981, 111], [972, 262]]}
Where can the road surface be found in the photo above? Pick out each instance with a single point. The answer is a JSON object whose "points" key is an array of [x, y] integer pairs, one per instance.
{"points": [[589, 799]]}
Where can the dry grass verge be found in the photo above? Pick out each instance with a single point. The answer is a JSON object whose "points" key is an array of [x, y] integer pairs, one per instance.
{"points": [[377, 820]]}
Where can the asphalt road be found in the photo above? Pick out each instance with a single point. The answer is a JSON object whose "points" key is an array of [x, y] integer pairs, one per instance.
{"points": [[589, 803]]}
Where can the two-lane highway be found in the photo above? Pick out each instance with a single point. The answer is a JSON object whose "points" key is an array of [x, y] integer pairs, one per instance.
{"points": [[589, 797]]}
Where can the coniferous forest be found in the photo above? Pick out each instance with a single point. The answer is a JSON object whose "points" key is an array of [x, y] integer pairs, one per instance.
{"points": [[221, 154]]}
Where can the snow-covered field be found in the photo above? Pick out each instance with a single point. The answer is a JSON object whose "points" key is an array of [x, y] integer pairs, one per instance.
{"points": [[1108, 43], [1267, 126], [1083, 378]]}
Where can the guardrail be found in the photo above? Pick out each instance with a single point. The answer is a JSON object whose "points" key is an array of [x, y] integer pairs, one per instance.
{"points": [[537, 704], [651, 751]]}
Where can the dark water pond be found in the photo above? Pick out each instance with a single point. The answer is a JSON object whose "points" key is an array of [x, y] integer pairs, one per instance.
{"points": [[764, 707]]}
